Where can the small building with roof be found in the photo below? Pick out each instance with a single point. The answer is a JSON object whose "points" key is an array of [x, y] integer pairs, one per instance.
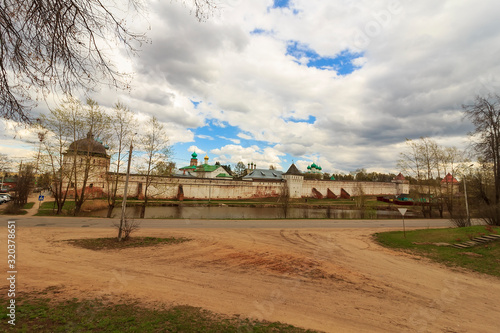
{"points": [[264, 175], [450, 184], [449, 179], [205, 170]]}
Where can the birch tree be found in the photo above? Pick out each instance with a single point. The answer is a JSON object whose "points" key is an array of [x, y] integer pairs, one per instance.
{"points": [[154, 143], [122, 128]]}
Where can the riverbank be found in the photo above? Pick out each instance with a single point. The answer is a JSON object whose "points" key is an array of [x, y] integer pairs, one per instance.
{"points": [[268, 208], [370, 203]]}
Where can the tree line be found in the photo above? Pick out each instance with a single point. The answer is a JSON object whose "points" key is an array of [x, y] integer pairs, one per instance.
{"points": [[426, 163], [71, 163]]}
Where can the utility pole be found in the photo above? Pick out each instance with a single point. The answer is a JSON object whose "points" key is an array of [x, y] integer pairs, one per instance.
{"points": [[466, 202], [466, 198], [125, 192], [41, 137]]}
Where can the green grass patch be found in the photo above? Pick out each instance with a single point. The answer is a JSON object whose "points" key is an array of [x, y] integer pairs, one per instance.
{"points": [[49, 208], [38, 313], [113, 243], [49, 205], [483, 258], [28, 205]]}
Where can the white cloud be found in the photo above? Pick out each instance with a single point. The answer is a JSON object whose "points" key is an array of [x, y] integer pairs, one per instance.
{"points": [[195, 149], [263, 158], [204, 137], [420, 62], [244, 136], [235, 141]]}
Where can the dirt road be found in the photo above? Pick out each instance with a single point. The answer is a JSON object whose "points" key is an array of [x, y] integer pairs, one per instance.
{"points": [[335, 280]]}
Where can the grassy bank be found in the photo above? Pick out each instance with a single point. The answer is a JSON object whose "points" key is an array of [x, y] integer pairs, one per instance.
{"points": [[484, 258], [49, 208], [38, 313]]}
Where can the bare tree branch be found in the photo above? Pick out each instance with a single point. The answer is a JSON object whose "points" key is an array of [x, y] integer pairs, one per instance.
{"points": [[51, 46]]}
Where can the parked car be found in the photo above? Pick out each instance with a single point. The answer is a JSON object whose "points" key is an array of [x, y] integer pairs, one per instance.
{"points": [[5, 197]]}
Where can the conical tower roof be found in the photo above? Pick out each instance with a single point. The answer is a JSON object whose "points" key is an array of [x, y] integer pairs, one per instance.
{"points": [[292, 170]]}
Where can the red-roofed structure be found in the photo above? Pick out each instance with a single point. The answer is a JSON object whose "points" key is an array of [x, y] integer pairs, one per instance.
{"points": [[400, 177], [449, 179]]}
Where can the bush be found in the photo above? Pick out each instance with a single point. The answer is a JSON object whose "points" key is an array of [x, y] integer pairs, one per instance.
{"points": [[128, 227], [13, 209], [491, 214], [459, 218]]}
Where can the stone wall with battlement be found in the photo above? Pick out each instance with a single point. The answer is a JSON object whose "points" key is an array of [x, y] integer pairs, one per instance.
{"points": [[352, 187], [200, 188]]}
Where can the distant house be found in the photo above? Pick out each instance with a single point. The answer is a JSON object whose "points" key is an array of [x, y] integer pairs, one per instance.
{"points": [[8, 183], [449, 179], [450, 184]]}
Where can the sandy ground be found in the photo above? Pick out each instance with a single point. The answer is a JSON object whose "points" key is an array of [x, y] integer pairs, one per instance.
{"points": [[334, 280]]}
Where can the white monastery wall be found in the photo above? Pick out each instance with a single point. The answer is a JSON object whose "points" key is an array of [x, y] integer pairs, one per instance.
{"points": [[352, 187], [203, 188], [200, 188]]}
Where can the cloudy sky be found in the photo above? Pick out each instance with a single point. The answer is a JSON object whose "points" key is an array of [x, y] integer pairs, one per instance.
{"points": [[337, 82]]}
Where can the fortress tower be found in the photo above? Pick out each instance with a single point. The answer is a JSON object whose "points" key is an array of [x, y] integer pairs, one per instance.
{"points": [[294, 180], [88, 155]]}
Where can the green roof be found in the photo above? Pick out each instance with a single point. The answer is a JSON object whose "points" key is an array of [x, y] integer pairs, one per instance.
{"points": [[188, 167], [207, 167], [194, 155], [202, 168], [224, 175]]}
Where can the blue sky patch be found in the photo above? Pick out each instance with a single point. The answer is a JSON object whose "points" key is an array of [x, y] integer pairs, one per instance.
{"points": [[309, 120], [195, 103], [258, 31], [281, 3], [341, 63], [215, 134], [284, 5]]}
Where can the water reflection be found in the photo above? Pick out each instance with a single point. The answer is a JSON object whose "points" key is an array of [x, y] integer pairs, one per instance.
{"points": [[225, 212]]}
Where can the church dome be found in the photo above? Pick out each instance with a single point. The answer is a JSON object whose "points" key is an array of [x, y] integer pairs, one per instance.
{"points": [[88, 145], [194, 155]]}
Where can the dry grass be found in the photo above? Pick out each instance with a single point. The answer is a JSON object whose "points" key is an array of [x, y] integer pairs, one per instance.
{"points": [[92, 205]]}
